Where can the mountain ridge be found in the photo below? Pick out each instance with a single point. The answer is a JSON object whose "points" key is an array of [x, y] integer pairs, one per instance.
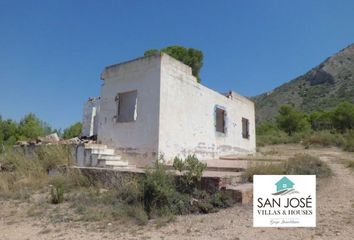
{"points": [[321, 88]]}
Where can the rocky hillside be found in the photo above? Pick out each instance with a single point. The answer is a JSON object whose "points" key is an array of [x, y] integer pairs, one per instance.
{"points": [[323, 87]]}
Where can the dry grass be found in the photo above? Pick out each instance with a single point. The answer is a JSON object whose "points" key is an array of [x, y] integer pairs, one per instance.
{"points": [[300, 164], [21, 174], [350, 164]]}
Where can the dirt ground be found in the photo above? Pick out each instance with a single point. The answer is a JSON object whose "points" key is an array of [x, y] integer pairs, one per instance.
{"points": [[335, 215]]}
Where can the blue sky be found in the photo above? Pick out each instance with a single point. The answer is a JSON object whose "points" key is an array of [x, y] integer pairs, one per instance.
{"points": [[52, 52]]}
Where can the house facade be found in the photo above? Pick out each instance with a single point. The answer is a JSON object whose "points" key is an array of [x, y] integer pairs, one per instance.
{"points": [[154, 106]]}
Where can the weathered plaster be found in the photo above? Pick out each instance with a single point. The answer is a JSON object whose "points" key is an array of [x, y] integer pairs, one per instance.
{"points": [[137, 141], [187, 119], [175, 114], [90, 117]]}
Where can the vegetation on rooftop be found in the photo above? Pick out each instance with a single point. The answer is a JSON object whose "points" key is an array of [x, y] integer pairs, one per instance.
{"points": [[189, 56]]}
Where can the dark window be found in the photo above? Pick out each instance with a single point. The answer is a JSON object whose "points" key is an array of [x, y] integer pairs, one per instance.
{"points": [[126, 106], [245, 128], [220, 120]]}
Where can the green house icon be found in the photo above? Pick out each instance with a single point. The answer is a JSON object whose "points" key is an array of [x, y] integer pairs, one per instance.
{"points": [[284, 184]]}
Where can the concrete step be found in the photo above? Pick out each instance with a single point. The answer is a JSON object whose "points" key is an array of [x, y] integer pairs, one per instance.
{"points": [[128, 167], [106, 163], [106, 151], [109, 157], [95, 146]]}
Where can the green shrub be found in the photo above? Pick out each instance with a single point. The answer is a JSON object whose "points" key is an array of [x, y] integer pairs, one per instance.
{"points": [[158, 188], [349, 142], [263, 169], [300, 164], [220, 200], [131, 192], [280, 137], [206, 207], [57, 194], [266, 128], [324, 138], [181, 204], [135, 212], [304, 164], [191, 170], [343, 116]]}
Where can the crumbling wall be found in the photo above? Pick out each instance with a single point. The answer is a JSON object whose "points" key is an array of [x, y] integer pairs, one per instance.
{"points": [[90, 117]]}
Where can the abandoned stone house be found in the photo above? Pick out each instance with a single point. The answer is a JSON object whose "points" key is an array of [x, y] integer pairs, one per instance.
{"points": [[154, 106]]}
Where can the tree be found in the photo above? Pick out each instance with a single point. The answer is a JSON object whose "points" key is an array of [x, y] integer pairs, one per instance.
{"points": [[30, 127], [189, 56], [8, 132], [72, 131], [151, 52], [321, 120], [343, 117], [290, 120], [266, 128]]}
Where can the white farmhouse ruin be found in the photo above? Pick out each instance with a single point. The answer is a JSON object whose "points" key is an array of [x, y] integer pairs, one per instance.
{"points": [[154, 105]]}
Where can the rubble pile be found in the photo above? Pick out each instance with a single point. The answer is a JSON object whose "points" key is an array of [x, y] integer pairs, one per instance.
{"points": [[54, 139]]}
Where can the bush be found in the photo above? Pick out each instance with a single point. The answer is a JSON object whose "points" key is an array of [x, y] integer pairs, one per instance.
{"points": [[135, 212], [266, 128], [191, 170], [57, 190], [349, 142], [158, 188], [280, 137], [263, 169], [304, 164], [221, 200], [343, 117], [181, 204], [324, 138], [131, 192], [276, 137], [300, 164]]}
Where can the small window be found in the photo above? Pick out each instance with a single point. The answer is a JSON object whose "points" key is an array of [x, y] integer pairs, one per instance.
{"points": [[220, 120], [127, 106], [245, 128]]}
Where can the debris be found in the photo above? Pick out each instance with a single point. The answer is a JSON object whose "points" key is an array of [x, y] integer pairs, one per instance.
{"points": [[51, 138], [74, 140], [54, 139]]}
